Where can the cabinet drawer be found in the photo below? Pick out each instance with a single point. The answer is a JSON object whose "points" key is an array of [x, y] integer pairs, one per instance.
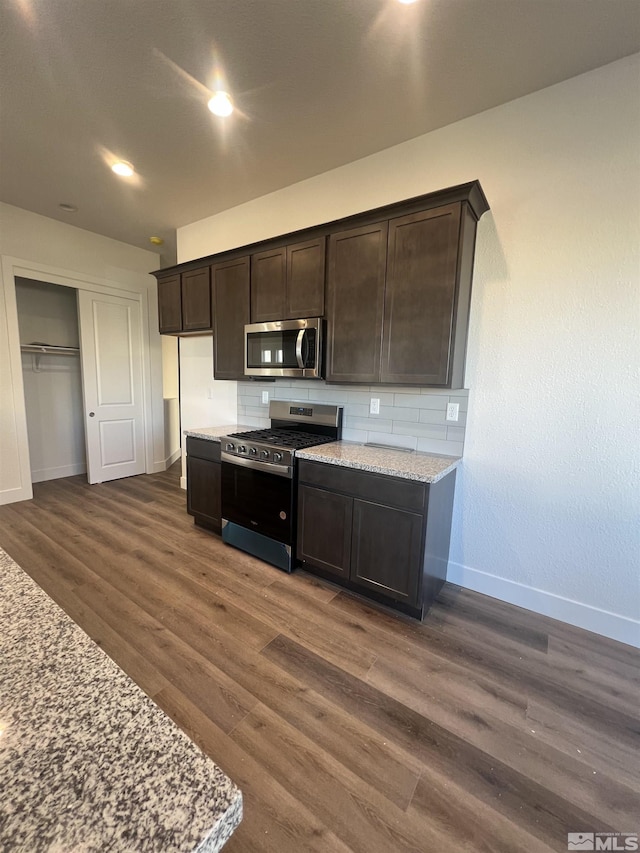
{"points": [[391, 491], [203, 449]]}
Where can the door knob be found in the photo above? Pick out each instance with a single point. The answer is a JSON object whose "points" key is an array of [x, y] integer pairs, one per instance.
{"points": [[92, 414]]}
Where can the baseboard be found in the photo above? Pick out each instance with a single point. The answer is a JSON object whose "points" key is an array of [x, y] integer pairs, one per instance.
{"points": [[576, 613], [12, 496], [44, 474], [183, 482], [174, 457], [158, 467]]}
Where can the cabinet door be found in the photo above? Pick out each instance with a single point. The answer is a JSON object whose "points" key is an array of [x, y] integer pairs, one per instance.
{"points": [[169, 305], [324, 530], [355, 296], [305, 279], [420, 297], [268, 273], [230, 284], [204, 491], [196, 300], [386, 550]]}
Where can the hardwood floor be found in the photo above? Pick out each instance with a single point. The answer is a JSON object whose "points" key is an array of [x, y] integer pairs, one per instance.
{"points": [[348, 728]]}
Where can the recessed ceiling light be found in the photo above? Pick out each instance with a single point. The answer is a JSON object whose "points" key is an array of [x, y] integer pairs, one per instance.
{"points": [[68, 208], [122, 168], [221, 104], [406, 2]]}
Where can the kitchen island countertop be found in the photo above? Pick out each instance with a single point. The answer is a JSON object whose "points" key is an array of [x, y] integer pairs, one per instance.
{"points": [[87, 761]]}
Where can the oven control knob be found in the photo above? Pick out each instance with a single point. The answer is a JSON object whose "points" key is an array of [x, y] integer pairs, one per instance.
{"points": [[253, 451], [264, 454], [242, 448], [277, 457], [230, 446]]}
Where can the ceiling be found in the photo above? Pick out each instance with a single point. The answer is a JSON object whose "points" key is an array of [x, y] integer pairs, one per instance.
{"points": [[316, 83]]}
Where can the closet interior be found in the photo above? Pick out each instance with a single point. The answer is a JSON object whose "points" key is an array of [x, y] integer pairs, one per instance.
{"points": [[51, 371]]}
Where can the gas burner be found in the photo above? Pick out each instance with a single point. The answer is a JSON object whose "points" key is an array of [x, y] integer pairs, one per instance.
{"points": [[294, 426], [296, 439]]}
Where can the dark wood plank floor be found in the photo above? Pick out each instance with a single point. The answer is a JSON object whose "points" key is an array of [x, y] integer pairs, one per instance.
{"points": [[348, 728]]}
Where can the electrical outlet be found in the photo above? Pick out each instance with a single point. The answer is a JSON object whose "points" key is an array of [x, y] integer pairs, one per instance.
{"points": [[265, 398], [374, 406], [452, 411]]}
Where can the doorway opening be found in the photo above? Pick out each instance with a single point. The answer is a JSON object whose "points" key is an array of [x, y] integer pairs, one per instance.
{"points": [[52, 378], [102, 401]]}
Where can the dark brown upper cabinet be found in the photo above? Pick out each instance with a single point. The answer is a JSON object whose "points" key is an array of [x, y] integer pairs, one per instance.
{"points": [[419, 297], [287, 282], [230, 286], [196, 300], [398, 290], [305, 279], [268, 285], [355, 303], [398, 307], [169, 305], [184, 303]]}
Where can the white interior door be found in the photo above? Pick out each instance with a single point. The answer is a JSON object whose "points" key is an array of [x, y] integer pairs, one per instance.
{"points": [[111, 353]]}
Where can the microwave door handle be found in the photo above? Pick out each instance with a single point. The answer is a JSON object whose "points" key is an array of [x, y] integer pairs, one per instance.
{"points": [[299, 341]]}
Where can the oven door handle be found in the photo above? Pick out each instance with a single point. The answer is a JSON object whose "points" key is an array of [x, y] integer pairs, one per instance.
{"points": [[299, 341], [257, 465]]}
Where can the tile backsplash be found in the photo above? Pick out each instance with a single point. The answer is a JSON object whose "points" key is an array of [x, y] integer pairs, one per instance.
{"points": [[409, 417]]}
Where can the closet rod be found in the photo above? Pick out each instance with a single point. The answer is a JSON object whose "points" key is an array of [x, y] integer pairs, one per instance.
{"points": [[38, 350], [49, 349]]}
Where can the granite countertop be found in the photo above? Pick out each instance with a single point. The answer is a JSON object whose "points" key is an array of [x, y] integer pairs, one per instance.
{"points": [[424, 467], [217, 432], [87, 761]]}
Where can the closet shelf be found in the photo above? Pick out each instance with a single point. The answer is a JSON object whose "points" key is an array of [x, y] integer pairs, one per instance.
{"points": [[49, 349]]}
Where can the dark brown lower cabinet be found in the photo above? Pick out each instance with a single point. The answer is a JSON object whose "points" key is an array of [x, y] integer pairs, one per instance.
{"points": [[384, 537], [204, 483], [318, 512], [386, 545]]}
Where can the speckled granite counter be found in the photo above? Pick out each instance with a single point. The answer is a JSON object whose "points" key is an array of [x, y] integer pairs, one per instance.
{"points": [[216, 433], [88, 762], [394, 463]]}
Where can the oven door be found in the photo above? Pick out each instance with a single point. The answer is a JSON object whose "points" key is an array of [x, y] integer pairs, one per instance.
{"points": [[259, 501]]}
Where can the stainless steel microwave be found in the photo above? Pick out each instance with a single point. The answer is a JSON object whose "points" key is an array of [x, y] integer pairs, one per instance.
{"points": [[290, 348]]}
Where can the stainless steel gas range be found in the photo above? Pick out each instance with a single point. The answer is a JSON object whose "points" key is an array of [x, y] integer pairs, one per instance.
{"points": [[259, 478]]}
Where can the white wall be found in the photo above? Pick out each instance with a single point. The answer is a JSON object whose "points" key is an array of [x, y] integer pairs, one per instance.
{"points": [[36, 247], [171, 394], [546, 511], [48, 313], [203, 400]]}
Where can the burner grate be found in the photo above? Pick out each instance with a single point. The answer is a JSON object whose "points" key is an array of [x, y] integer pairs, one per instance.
{"points": [[296, 439]]}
